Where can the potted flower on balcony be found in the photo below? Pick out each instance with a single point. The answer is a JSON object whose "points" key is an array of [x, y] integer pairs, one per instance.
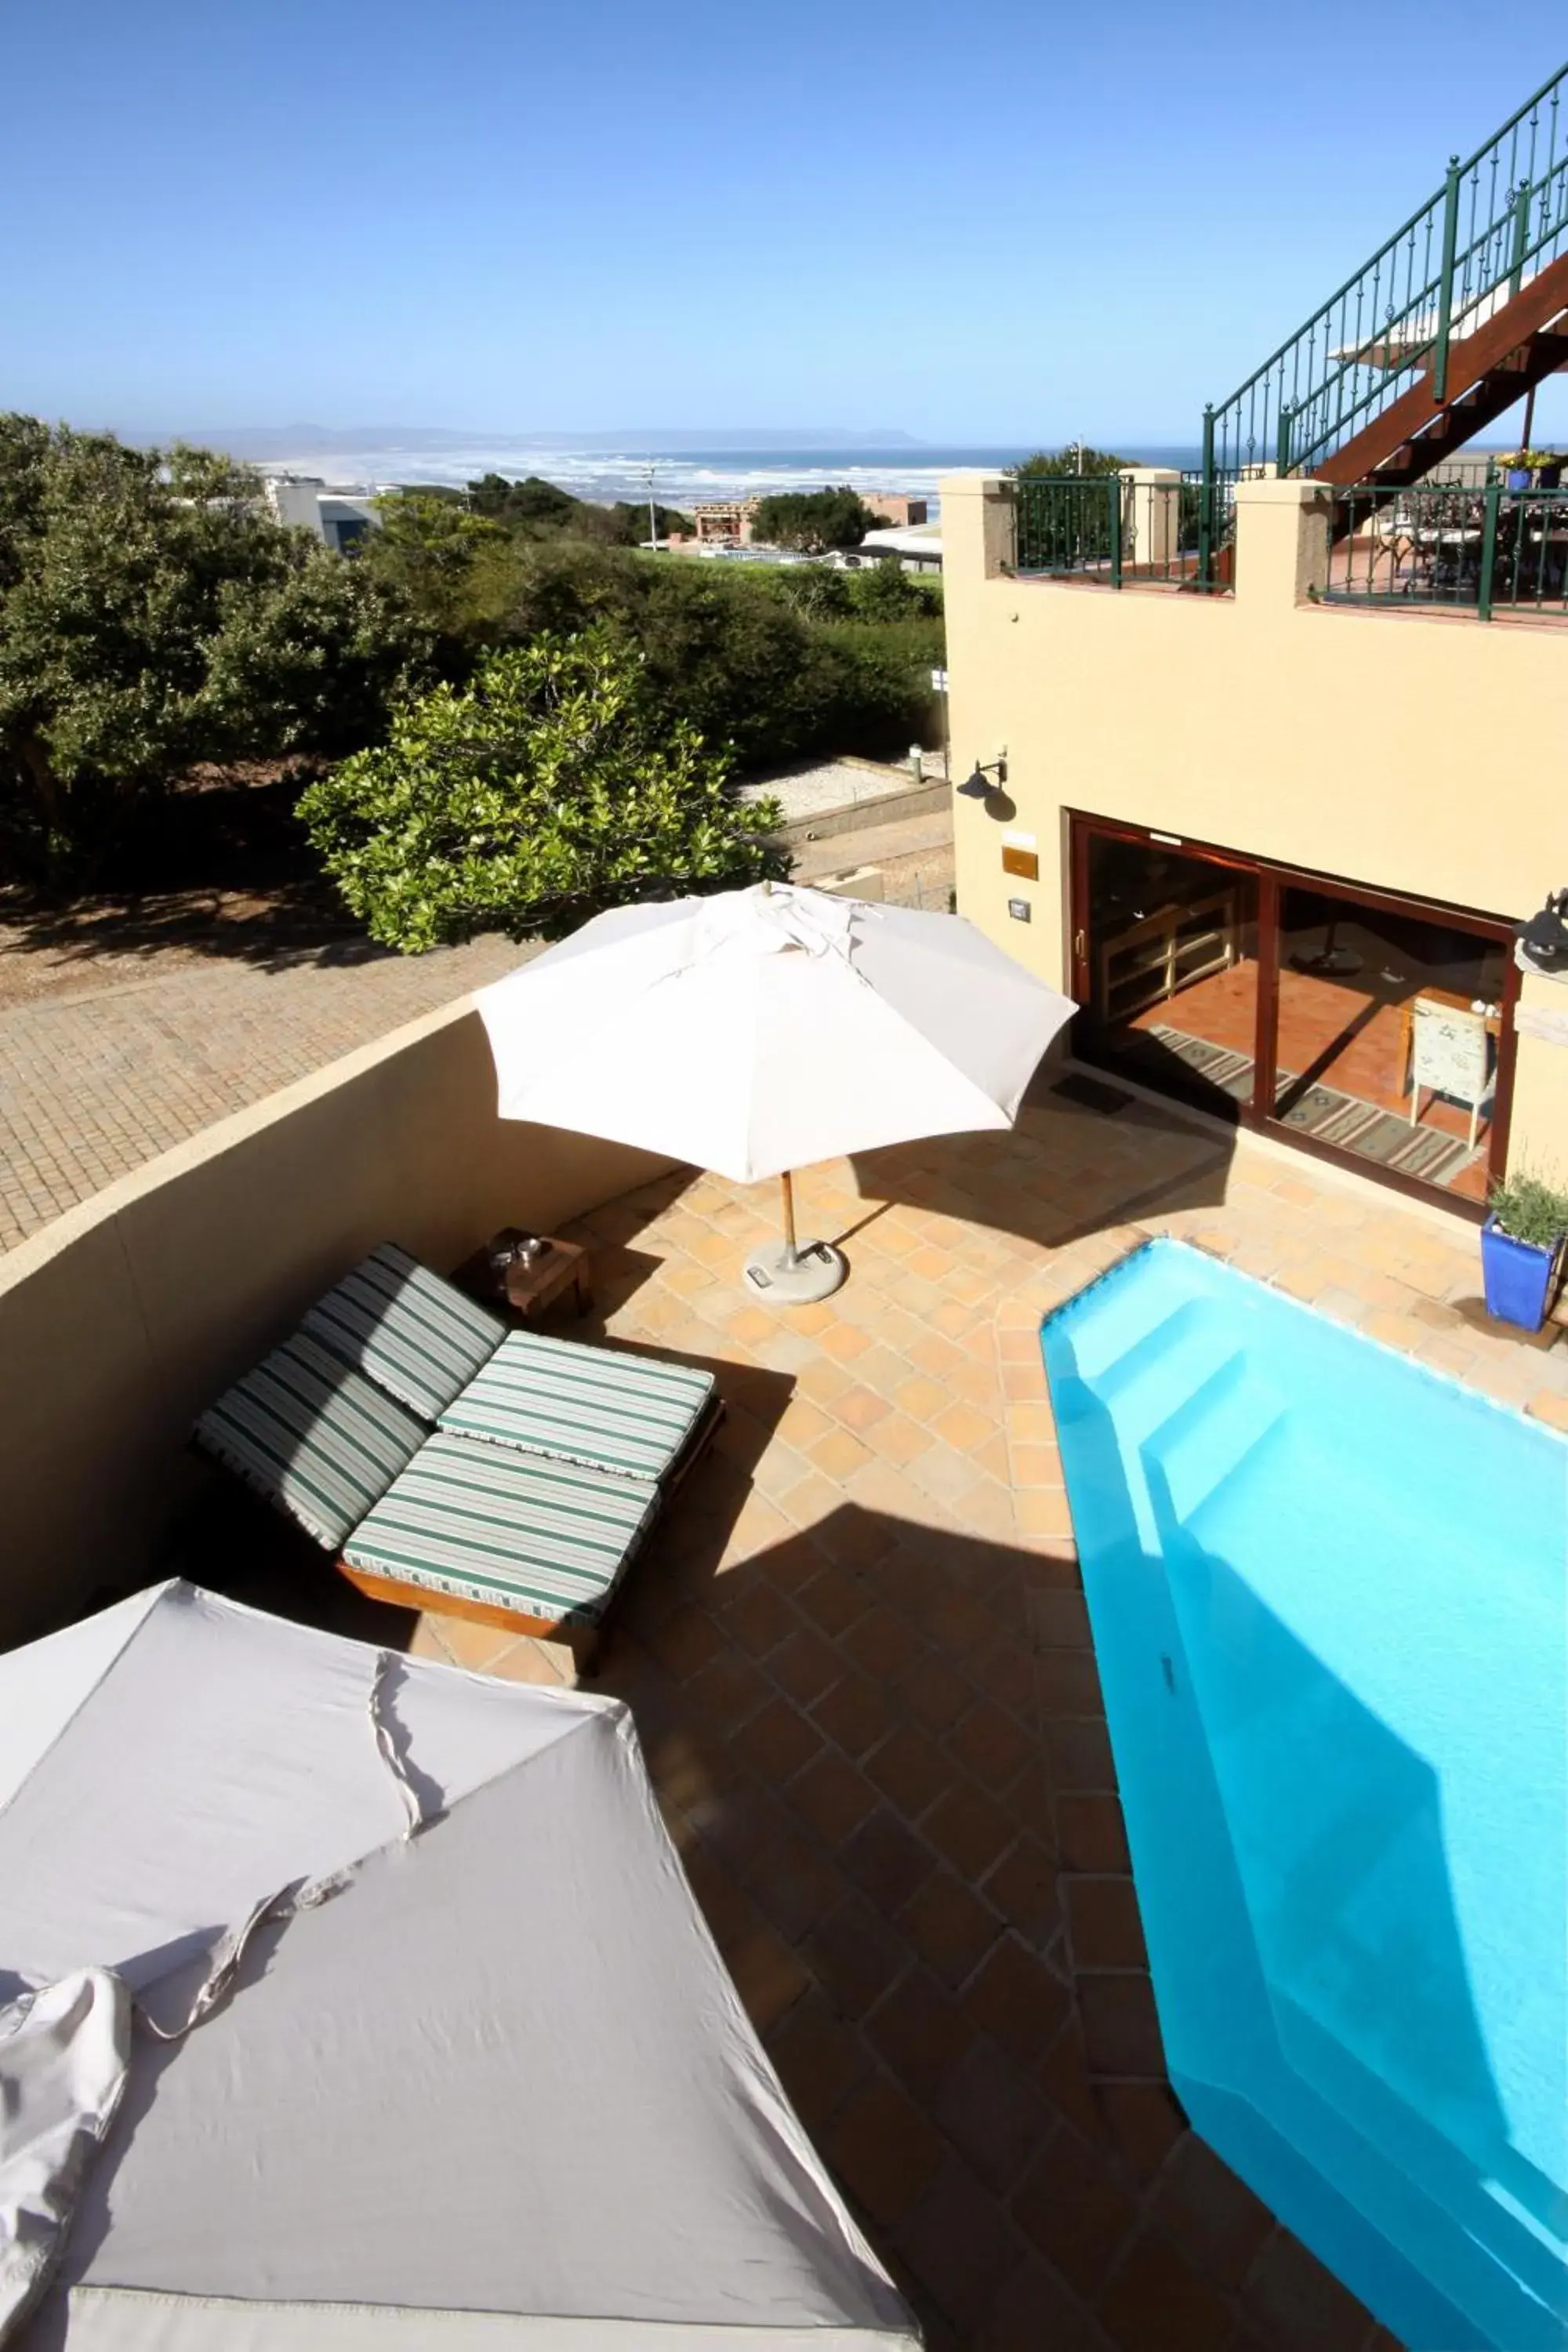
{"points": [[1524, 470], [1521, 1241]]}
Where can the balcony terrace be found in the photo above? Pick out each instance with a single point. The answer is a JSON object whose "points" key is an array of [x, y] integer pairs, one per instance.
{"points": [[861, 1671], [856, 1650]]}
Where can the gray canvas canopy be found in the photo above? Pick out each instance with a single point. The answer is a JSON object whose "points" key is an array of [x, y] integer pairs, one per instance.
{"points": [[483, 2082]]}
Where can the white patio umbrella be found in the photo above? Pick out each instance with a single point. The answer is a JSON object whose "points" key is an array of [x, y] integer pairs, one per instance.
{"points": [[477, 2076], [758, 1031]]}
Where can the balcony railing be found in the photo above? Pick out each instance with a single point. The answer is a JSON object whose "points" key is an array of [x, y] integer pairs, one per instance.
{"points": [[1484, 551], [1118, 530]]}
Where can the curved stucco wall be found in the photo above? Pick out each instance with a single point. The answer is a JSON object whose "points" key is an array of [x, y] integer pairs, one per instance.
{"points": [[122, 1319]]}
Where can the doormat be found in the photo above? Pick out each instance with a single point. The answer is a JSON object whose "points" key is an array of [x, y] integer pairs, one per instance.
{"points": [[1329, 1116], [1217, 1066]]}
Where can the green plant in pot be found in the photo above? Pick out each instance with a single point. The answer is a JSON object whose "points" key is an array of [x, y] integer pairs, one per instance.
{"points": [[1521, 1241], [1523, 470]]}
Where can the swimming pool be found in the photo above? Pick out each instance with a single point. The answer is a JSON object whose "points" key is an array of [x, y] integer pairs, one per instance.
{"points": [[1329, 1593]]}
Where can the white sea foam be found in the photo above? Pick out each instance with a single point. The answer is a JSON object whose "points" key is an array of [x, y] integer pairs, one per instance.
{"points": [[679, 480]]}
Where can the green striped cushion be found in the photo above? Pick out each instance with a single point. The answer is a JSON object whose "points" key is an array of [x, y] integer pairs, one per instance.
{"points": [[543, 1538], [581, 1404], [418, 1338], [318, 1440]]}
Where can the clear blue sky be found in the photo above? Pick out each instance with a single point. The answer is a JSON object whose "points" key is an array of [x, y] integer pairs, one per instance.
{"points": [[1009, 219]]}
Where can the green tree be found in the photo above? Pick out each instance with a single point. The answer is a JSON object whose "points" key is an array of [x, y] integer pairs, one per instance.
{"points": [[814, 521], [888, 593], [1059, 465], [630, 522], [533, 505], [439, 555], [543, 792], [774, 663], [154, 614], [535, 508]]}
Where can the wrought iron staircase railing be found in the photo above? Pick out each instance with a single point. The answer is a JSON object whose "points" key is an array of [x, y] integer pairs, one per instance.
{"points": [[1497, 219]]}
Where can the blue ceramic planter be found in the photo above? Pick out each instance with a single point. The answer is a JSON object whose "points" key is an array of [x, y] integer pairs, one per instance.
{"points": [[1518, 478], [1517, 1277]]}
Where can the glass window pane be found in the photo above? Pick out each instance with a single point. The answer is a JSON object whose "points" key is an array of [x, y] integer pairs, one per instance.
{"points": [[1387, 1037], [1172, 955]]}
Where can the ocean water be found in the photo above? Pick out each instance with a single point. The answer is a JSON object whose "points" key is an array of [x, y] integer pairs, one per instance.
{"points": [[1329, 1593], [680, 477]]}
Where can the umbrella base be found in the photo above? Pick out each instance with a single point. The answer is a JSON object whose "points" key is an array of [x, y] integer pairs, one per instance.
{"points": [[796, 1277]]}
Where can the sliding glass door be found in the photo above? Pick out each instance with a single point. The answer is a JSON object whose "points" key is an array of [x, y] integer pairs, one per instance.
{"points": [[1373, 1028], [1172, 969]]}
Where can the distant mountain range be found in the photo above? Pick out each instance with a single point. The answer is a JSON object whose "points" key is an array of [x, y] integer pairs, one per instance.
{"points": [[262, 441]]}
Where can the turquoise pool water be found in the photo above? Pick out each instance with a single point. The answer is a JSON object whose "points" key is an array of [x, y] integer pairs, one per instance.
{"points": [[1329, 1593]]}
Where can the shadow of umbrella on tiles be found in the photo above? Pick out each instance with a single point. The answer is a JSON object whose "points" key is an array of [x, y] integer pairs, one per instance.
{"points": [[757, 1032]]}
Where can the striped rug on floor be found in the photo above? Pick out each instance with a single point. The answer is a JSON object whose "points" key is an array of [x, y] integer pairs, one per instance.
{"points": [[1329, 1116]]}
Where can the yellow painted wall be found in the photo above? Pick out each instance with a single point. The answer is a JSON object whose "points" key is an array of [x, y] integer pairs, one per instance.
{"points": [[121, 1320], [1415, 752]]}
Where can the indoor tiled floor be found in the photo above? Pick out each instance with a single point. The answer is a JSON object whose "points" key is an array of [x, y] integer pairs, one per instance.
{"points": [[860, 1668], [1329, 1028]]}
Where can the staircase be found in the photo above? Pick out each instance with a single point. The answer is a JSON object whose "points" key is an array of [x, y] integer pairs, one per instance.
{"points": [[1452, 321]]}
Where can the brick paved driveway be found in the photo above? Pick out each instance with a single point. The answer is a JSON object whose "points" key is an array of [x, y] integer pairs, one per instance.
{"points": [[93, 1083]]}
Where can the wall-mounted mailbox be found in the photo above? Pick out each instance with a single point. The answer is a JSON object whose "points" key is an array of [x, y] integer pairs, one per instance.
{"points": [[1024, 863]]}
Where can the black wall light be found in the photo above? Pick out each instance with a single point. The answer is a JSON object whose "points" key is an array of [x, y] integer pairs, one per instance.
{"points": [[976, 788], [1543, 940]]}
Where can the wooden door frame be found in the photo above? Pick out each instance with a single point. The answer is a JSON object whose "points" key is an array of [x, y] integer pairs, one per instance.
{"points": [[1273, 877]]}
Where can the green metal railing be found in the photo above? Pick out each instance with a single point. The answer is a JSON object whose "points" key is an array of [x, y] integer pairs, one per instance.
{"points": [[1482, 549], [1112, 528], [1497, 217], [1070, 524]]}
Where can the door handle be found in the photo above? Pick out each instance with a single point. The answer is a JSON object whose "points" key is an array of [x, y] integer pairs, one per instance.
{"points": [[1080, 945]]}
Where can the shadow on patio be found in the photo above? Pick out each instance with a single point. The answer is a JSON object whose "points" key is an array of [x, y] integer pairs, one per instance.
{"points": [[859, 1659]]}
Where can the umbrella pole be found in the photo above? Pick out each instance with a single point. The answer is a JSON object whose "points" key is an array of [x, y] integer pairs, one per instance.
{"points": [[786, 1186], [788, 1275]]}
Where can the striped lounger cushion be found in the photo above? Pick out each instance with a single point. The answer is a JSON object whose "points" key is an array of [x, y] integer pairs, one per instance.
{"points": [[546, 1539], [581, 1404], [316, 1439], [415, 1335]]}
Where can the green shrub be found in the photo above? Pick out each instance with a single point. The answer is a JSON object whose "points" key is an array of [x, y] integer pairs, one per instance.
{"points": [[543, 790], [1531, 1209], [153, 616]]}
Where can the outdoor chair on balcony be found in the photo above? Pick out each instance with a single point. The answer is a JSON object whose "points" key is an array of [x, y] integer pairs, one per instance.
{"points": [[455, 1466]]}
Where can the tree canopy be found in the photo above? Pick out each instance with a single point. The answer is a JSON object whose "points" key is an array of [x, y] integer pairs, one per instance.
{"points": [[1077, 458], [814, 521], [772, 664], [535, 508], [154, 614], [544, 790]]}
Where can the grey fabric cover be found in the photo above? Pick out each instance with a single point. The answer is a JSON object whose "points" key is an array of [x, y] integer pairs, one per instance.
{"points": [[493, 2093]]}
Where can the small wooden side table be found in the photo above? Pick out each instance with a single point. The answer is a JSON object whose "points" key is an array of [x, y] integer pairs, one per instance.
{"points": [[530, 1291]]}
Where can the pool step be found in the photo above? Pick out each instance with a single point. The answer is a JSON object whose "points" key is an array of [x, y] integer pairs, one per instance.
{"points": [[1121, 1322], [1207, 1438], [1149, 1382]]}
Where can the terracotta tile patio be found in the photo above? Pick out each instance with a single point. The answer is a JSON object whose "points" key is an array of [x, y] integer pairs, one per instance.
{"points": [[860, 1666]]}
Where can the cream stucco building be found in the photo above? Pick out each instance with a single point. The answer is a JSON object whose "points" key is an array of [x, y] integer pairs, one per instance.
{"points": [[1275, 846]]}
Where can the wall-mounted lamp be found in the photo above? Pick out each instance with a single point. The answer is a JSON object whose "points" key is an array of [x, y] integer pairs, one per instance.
{"points": [[976, 788], [1542, 941]]}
